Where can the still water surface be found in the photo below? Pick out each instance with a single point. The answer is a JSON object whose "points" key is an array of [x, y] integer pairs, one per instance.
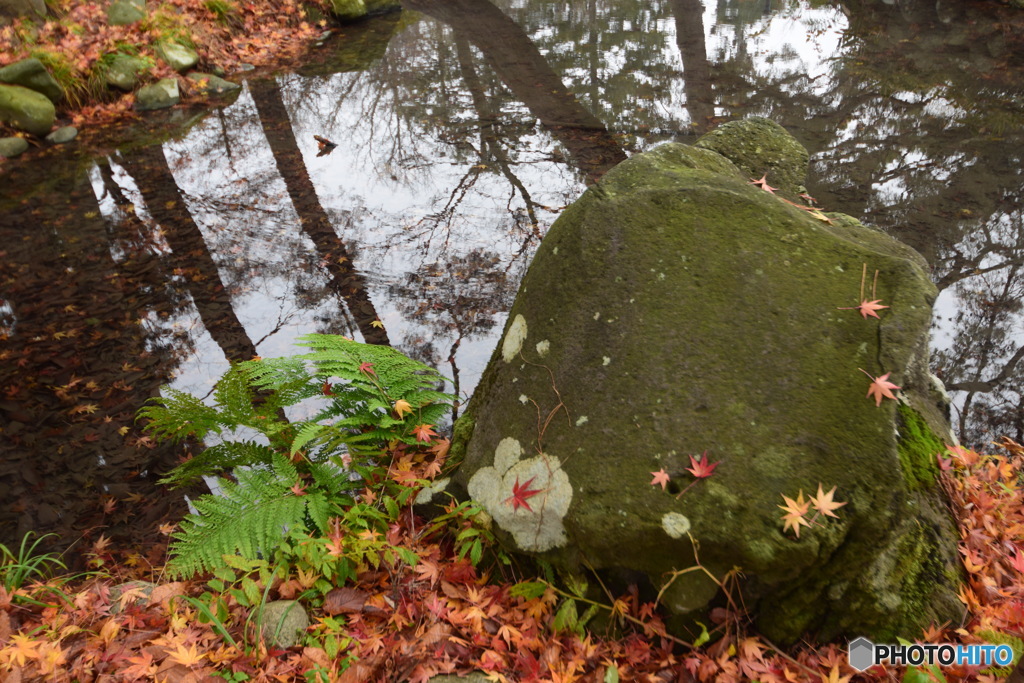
{"points": [[463, 128]]}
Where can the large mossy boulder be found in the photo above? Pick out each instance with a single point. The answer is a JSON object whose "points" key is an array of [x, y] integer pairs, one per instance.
{"points": [[26, 109], [30, 73], [676, 309]]}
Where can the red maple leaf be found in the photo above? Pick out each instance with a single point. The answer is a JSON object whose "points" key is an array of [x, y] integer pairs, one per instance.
{"points": [[367, 367], [660, 477], [520, 494], [702, 466]]}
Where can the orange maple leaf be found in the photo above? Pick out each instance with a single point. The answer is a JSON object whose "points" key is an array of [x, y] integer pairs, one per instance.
{"points": [[824, 504], [763, 184], [795, 511], [660, 477], [402, 407], [866, 308], [424, 432], [521, 493], [880, 387]]}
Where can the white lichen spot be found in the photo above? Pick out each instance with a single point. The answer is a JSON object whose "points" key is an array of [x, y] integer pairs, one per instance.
{"points": [[555, 251], [524, 399], [428, 492], [543, 347], [597, 316], [582, 420], [840, 269], [514, 339], [507, 453], [632, 301], [527, 498], [661, 276], [605, 360], [675, 524]]}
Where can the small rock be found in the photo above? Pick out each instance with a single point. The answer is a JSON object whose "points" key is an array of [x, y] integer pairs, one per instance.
{"points": [[123, 12], [177, 56], [31, 74], [282, 623], [159, 95], [62, 135], [208, 84], [348, 10], [12, 147], [123, 71], [26, 109]]}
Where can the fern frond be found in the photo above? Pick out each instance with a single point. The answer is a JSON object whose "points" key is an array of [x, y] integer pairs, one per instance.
{"points": [[249, 518], [217, 459], [178, 415]]}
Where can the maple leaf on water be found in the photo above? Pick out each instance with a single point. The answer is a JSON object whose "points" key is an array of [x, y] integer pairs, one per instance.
{"points": [[824, 504], [795, 511], [521, 493], [701, 466], [660, 477], [763, 184], [880, 387], [424, 432]]}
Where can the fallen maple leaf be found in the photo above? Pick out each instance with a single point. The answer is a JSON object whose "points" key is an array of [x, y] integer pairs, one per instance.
{"points": [[763, 184], [824, 504], [367, 367], [660, 477], [701, 466], [402, 407], [344, 599], [423, 432], [186, 656], [795, 511], [866, 308], [880, 387], [377, 323], [521, 493]]}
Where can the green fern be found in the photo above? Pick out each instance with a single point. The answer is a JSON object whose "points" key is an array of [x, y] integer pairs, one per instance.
{"points": [[290, 477]]}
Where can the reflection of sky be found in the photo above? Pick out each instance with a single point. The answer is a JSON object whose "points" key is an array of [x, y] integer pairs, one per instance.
{"points": [[406, 187]]}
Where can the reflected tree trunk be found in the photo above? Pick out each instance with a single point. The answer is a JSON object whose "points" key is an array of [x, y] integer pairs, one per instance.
{"points": [[148, 167], [700, 96], [523, 69], [346, 281], [77, 365]]}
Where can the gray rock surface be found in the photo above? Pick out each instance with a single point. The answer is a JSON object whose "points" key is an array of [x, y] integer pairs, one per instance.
{"points": [[31, 74], [124, 12], [159, 95], [123, 71], [209, 84], [26, 109], [12, 147], [676, 309], [62, 135], [178, 56], [282, 623]]}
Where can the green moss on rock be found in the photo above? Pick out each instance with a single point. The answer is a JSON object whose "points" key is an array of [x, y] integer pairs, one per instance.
{"points": [[918, 447]]}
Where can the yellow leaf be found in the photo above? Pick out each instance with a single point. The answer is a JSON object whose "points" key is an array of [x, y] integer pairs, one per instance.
{"points": [[377, 323], [186, 657], [21, 648], [109, 630], [402, 407]]}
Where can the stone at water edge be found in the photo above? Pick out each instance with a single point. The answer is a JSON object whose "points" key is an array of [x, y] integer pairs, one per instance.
{"points": [[123, 71], [31, 74], [12, 147], [159, 95], [26, 109], [680, 309], [62, 135]]}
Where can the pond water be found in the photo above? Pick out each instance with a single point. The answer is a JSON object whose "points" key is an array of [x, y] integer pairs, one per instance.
{"points": [[156, 253]]}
